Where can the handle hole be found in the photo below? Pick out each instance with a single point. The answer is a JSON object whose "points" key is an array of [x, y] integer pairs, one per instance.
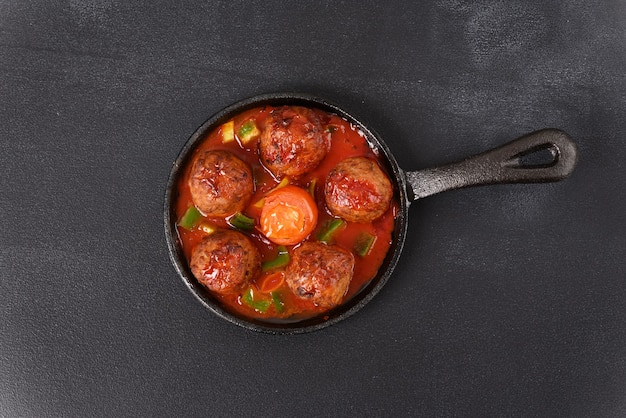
{"points": [[541, 156]]}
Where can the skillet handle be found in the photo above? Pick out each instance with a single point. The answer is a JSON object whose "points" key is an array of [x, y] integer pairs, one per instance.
{"points": [[505, 164]]}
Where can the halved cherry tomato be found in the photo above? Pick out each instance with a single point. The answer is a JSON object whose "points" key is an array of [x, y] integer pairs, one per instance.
{"points": [[288, 215]]}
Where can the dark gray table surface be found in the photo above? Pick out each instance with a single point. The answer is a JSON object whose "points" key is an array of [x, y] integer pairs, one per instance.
{"points": [[508, 300]]}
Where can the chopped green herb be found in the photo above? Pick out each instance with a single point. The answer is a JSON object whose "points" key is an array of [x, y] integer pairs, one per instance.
{"points": [[241, 221], [284, 182], [282, 259], [364, 243], [312, 187], [258, 305], [248, 131], [329, 229], [278, 303], [190, 218]]}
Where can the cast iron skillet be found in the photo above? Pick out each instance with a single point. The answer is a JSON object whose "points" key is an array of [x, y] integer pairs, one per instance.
{"points": [[505, 164]]}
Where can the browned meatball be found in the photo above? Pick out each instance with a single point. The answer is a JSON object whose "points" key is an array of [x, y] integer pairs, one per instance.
{"points": [[293, 142], [220, 183], [320, 273], [225, 261], [357, 190]]}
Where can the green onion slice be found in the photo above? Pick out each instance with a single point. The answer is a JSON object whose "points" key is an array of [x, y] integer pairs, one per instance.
{"points": [[282, 259], [258, 305], [278, 303], [190, 218], [329, 229], [248, 131], [241, 221], [312, 187], [364, 243]]}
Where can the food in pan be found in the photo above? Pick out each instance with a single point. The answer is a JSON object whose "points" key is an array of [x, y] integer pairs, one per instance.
{"points": [[220, 183], [293, 141], [320, 272], [357, 190], [225, 261], [288, 215], [284, 212]]}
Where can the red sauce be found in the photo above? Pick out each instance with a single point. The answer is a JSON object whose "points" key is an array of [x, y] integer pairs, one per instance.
{"points": [[346, 141]]}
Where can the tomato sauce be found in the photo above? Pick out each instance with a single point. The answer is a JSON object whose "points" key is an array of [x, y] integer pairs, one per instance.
{"points": [[281, 304]]}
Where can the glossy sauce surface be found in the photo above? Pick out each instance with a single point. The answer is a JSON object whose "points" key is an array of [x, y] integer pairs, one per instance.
{"points": [[280, 303]]}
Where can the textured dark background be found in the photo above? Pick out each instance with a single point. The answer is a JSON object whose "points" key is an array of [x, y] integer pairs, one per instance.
{"points": [[508, 300]]}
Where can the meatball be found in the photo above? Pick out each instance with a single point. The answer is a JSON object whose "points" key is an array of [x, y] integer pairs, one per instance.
{"points": [[320, 273], [225, 261], [293, 142], [357, 190], [220, 183]]}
